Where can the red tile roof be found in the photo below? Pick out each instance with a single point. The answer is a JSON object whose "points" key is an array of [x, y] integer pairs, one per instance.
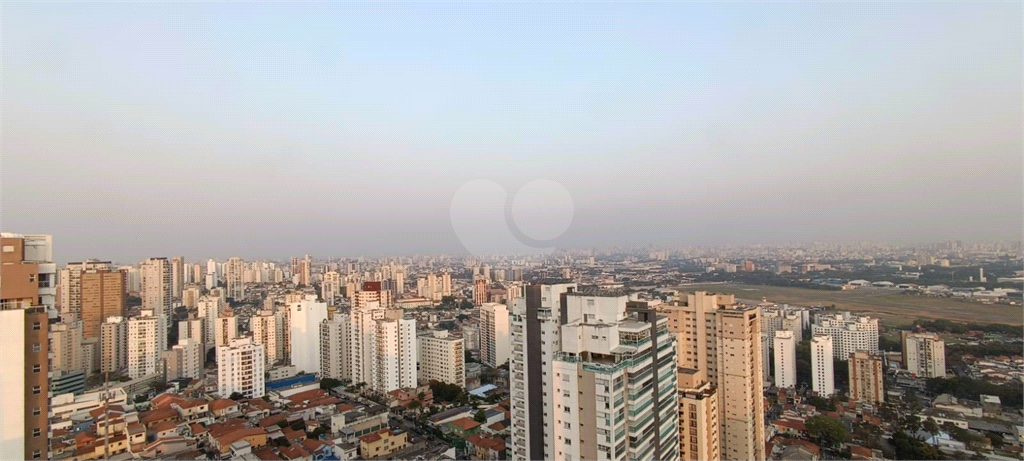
{"points": [[266, 454], [293, 452], [465, 424], [222, 404]]}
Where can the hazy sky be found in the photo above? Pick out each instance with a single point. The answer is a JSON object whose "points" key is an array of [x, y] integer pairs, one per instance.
{"points": [[276, 129]]}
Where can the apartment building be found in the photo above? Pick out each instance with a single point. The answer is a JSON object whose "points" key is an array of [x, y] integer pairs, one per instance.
{"points": [[822, 372], [265, 331], [495, 341], [593, 377], [113, 345], [305, 317], [849, 333], [867, 377], [924, 354], [156, 295], [785, 359], [334, 344], [442, 357], [722, 338], [27, 303], [240, 369], [143, 353]]}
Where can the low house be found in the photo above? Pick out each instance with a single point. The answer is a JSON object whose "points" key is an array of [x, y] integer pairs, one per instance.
{"points": [[486, 448], [382, 443], [294, 452], [463, 427], [223, 407]]}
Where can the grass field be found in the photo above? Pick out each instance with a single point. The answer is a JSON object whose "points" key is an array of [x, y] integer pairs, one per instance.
{"points": [[889, 306]]}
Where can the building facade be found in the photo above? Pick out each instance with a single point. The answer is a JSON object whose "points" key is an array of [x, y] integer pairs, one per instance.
{"points": [[866, 377], [240, 369], [722, 338], [442, 357], [849, 333], [785, 359], [822, 361], [495, 341], [924, 354]]}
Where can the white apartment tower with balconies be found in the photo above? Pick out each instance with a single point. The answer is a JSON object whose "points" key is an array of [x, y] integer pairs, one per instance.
{"points": [[850, 333], [495, 338], [305, 317], [143, 342], [442, 357], [240, 368], [593, 377], [785, 359], [822, 361]]}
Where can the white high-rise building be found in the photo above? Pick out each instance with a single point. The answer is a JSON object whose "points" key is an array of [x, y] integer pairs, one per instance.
{"points": [[924, 354], [177, 276], [382, 350], [156, 295], [443, 358], [304, 323], [240, 369], [234, 272], [495, 338], [396, 353], [334, 345], [330, 289], [208, 309], [849, 333], [113, 344], [363, 345], [185, 359], [212, 274], [194, 328], [265, 331], [226, 328], [592, 376], [446, 284], [785, 359], [143, 342], [822, 374]]}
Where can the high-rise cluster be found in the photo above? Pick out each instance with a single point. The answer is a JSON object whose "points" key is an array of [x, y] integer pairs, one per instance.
{"points": [[593, 377]]}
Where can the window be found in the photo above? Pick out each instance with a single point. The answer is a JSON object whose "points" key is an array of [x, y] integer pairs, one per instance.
{"points": [[36, 454], [35, 411], [568, 426], [35, 325], [35, 389], [35, 368], [31, 277], [36, 432]]}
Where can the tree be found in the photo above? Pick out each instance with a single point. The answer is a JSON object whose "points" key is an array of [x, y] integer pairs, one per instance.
{"points": [[415, 405], [469, 357], [236, 396], [480, 416], [830, 432], [930, 426], [465, 304], [329, 383]]}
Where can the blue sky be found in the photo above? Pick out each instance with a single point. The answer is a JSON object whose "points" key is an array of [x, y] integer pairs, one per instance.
{"points": [[273, 129]]}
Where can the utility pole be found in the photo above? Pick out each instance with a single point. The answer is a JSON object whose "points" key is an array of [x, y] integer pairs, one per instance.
{"points": [[106, 415]]}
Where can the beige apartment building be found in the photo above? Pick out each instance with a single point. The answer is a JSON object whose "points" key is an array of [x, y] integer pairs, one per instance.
{"points": [[721, 341], [27, 292], [102, 296], [866, 377]]}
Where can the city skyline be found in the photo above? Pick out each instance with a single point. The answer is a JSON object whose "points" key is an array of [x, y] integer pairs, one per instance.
{"points": [[252, 130]]}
